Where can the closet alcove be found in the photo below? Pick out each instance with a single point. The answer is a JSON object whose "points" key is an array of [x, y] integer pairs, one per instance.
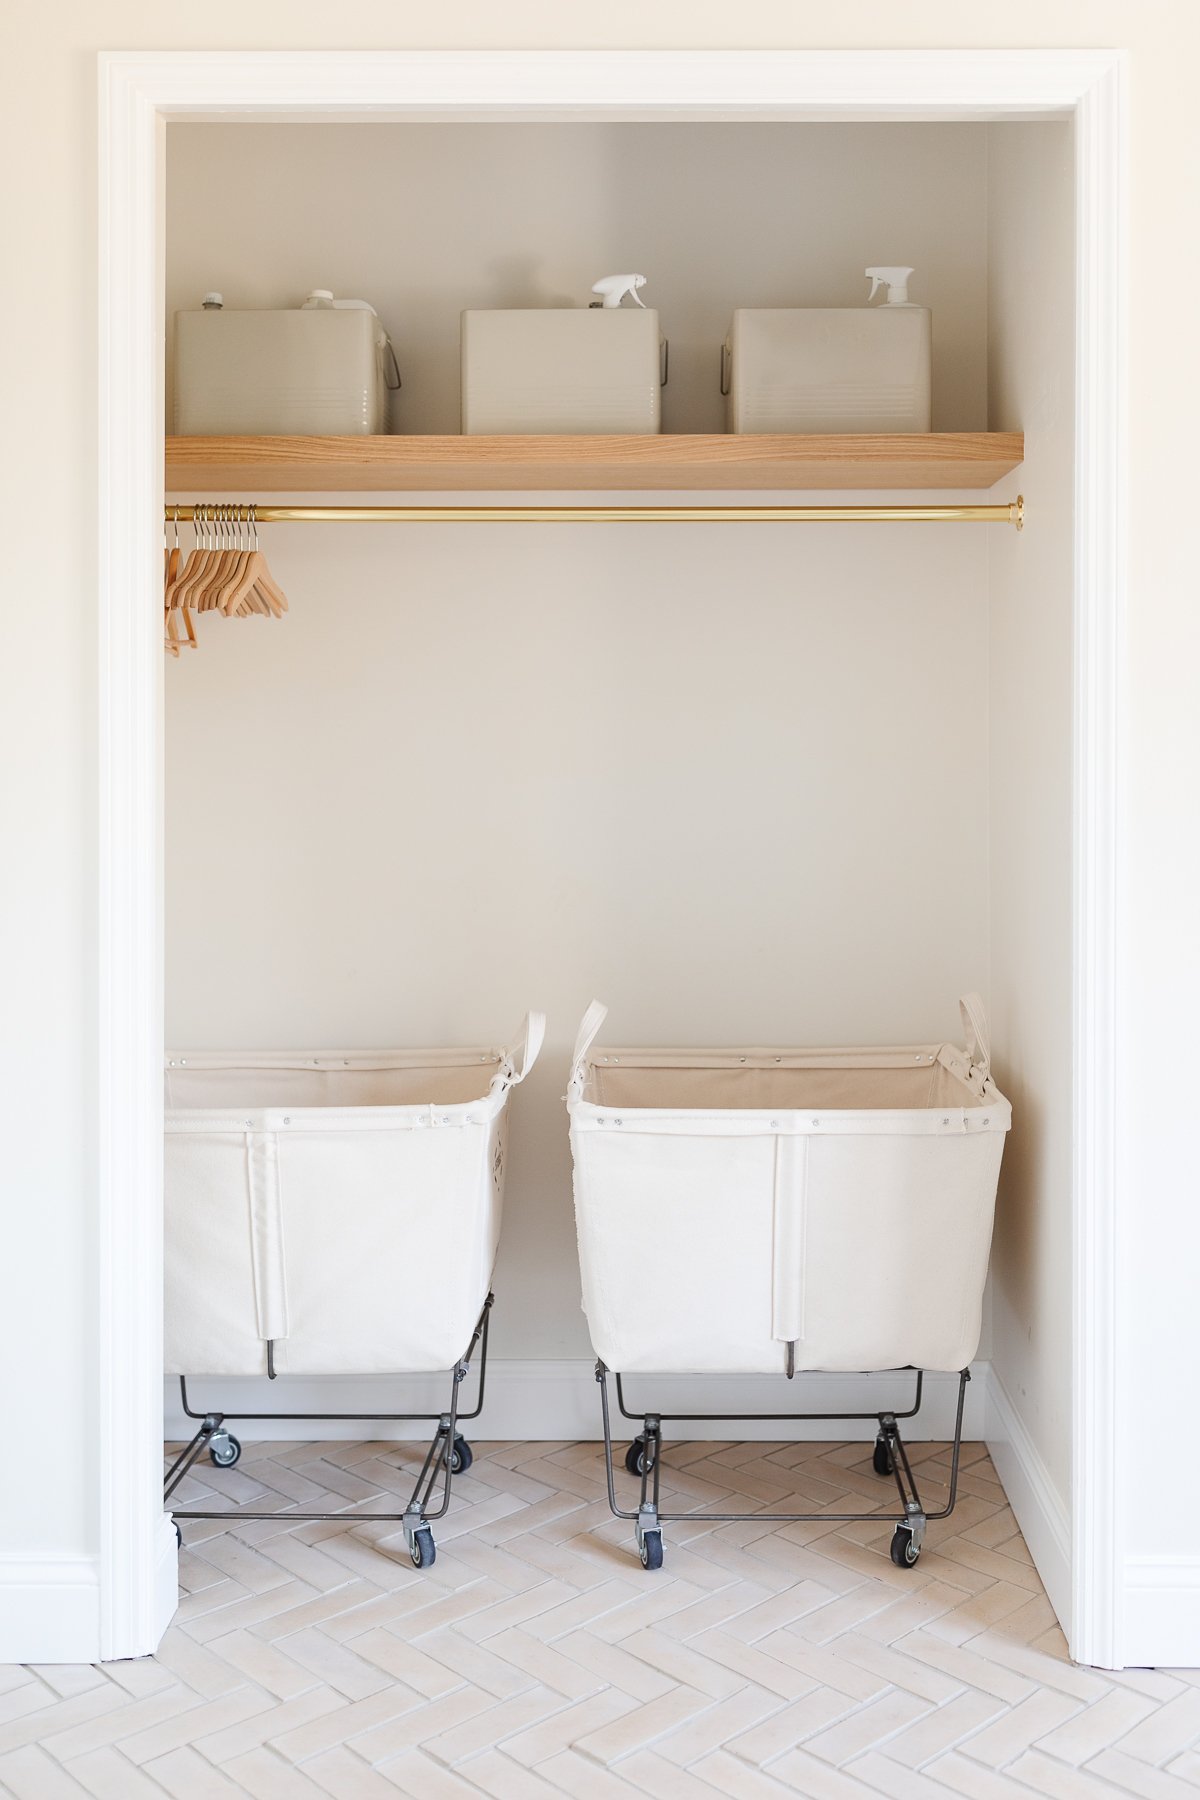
{"points": [[774, 784]]}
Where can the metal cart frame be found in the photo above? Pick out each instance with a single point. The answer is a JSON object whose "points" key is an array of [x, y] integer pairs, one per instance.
{"points": [[449, 1454], [644, 1458]]}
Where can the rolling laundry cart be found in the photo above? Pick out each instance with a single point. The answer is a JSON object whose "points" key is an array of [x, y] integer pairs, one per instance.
{"points": [[766, 1211], [336, 1213]]}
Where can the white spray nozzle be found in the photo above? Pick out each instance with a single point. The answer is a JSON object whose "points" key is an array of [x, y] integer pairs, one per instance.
{"points": [[894, 279], [615, 287]]}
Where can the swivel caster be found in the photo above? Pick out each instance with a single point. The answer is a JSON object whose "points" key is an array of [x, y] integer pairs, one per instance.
{"points": [[422, 1548], [905, 1549], [881, 1461], [637, 1459], [224, 1449], [461, 1456], [650, 1549]]}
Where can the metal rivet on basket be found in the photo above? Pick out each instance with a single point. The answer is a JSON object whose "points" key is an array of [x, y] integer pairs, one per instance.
{"points": [[446, 1120], [287, 1121], [779, 1059], [774, 1124], [987, 1121], [183, 1062], [816, 1121], [741, 1059], [945, 1121], [616, 1121]]}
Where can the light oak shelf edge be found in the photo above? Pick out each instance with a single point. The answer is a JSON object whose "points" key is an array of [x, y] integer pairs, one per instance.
{"points": [[276, 465]]}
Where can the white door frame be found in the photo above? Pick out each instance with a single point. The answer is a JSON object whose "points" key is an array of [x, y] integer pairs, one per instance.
{"points": [[138, 93]]}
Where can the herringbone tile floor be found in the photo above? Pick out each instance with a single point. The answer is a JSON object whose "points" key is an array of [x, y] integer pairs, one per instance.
{"points": [[537, 1658]]}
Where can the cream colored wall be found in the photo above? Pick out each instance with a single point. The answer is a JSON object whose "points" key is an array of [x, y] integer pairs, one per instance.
{"points": [[466, 777], [426, 220], [707, 775], [1031, 362], [48, 663]]}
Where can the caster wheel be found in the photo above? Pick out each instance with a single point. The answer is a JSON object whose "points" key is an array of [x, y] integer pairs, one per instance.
{"points": [[423, 1550], [635, 1457], [178, 1534], [882, 1460], [224, 1449], [904, 1551], [651, 1550], [461, 1456]]}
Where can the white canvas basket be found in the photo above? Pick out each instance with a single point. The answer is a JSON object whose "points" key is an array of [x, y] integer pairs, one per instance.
{"points": [[735, 1207], [342, 1206]]}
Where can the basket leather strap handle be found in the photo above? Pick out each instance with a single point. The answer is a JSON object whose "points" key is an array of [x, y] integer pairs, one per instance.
{"points": [[589, 1025], [524, 1053], [974, 1018]]}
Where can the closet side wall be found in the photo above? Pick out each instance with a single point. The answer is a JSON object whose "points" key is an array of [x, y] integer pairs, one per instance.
{"points": [[1031, 364]]}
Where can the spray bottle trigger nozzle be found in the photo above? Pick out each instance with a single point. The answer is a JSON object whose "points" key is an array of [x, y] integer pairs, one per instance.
{"points": [[894, 278]]}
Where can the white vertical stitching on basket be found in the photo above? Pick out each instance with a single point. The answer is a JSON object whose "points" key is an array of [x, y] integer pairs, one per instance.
{"points": [[266, 1234], [790, 1233]]}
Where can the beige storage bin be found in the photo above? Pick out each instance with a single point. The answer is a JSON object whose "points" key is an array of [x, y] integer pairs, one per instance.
{"points": [[570, 369], [832, 369], [325, 367]]}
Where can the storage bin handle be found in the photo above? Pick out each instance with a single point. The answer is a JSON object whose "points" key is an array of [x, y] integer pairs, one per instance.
{"points": [[520, 1056], [589, 1025], [974, 1019]]}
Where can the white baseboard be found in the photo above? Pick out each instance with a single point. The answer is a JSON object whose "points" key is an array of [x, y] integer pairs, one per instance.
{"points": [[1040, 1509], [551, 1400], [1161, 1626], [49, 1609]]}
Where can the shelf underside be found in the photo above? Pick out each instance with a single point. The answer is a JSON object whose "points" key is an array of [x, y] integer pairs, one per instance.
{"points": [[276, 465]]}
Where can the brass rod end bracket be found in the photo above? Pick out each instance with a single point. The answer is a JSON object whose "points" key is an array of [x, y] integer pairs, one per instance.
{"points": [[1018, 512]]}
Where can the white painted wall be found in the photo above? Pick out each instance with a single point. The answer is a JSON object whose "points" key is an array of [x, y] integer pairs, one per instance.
{"points": [[1031, 363], [709, 773], [48, 675], [426, 220], [472, 774]]}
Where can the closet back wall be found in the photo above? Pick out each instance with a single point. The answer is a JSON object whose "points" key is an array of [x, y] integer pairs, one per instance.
{"points": [[424, 220], [714, 774]]}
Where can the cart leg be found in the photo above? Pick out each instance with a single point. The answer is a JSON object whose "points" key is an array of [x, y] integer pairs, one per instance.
{"points": [[648, 1528]]}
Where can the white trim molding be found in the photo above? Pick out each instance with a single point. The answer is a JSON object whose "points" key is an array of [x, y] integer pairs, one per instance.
{"points": [[558, 1399], [137, 93], [1093, 1625], [1040, 1510]]}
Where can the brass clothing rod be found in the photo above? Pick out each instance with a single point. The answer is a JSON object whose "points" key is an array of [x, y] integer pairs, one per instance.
{"points": [[1008, 513]]}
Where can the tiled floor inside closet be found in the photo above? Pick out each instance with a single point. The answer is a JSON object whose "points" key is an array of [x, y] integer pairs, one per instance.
{"points": [[537, 1658]]}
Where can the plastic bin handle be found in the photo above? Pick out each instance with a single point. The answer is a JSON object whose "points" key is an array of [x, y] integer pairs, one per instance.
{"points": [[589, 1025], [974, 1018], [522, 1055]]}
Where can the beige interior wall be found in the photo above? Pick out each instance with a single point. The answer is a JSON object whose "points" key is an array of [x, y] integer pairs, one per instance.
{"points": [[487, 768], [711, 774], [1031, 362], [426, 220]]}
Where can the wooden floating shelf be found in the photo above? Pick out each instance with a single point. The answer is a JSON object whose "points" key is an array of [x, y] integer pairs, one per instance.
{"points": [[312, 465]]}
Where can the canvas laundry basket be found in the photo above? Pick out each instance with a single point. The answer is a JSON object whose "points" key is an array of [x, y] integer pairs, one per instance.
{"points": [[733, 1203], [343, 1206]]}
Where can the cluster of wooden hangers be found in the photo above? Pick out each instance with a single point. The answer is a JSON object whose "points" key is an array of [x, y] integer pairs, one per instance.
{"points": [[225, 571]]}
